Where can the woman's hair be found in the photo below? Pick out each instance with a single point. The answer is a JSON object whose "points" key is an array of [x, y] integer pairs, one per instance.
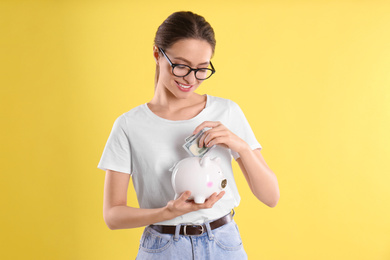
{"points": [[183, 25]]}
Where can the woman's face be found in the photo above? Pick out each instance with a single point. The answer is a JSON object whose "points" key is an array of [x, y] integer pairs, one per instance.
{"points": [[191, 52]]}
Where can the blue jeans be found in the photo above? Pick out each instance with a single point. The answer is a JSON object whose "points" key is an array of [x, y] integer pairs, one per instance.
{"points": [[221, 243]]}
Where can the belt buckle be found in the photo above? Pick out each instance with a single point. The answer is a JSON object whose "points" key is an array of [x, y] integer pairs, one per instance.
{"points": [[185, 229]]}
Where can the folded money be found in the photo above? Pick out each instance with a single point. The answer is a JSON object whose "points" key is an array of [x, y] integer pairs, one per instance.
{"points": [[192, 145]]}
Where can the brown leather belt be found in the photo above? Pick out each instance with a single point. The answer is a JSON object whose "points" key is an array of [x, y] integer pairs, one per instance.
{"points": [[193, 230]]}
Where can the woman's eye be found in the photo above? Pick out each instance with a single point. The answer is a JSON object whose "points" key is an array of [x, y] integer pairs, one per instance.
{"points": [[181, 68]]}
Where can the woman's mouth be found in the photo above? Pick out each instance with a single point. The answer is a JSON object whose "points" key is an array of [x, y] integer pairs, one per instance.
{"points": [[184, 87]]}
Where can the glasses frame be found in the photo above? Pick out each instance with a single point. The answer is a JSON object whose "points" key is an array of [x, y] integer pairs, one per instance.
{"points": [[173, 65]]}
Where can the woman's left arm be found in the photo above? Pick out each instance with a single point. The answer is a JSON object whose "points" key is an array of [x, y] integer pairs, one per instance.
{"points": [[261, 180], [259, 176]]}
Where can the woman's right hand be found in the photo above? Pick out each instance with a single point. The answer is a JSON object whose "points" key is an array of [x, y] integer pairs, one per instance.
{"points": [[182, 205]]}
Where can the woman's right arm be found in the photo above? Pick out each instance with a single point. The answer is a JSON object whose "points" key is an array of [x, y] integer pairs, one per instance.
{"points": [[118, 215]]}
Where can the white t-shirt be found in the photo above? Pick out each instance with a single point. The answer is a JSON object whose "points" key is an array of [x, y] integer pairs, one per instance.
{"points": [[147, 146]]}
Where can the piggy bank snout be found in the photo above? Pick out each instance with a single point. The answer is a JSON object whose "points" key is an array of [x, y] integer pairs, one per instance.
{"points": [[223, 183]]}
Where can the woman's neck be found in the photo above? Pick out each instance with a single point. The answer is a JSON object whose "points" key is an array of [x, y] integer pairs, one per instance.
{"points": [[170, 107]]}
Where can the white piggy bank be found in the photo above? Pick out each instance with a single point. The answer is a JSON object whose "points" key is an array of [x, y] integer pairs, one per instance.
{"points": [[201, 176]]}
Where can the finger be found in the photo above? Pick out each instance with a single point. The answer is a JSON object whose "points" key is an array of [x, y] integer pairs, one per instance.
{"points": [[214, 134], [201, 140], [184, 196], [222, 141], [209, 202], [214, 198], [211, 133], [220, 195], [206, 124]]}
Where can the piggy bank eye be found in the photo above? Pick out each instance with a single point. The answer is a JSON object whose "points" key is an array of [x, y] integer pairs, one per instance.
{"points": [[223, 183]]}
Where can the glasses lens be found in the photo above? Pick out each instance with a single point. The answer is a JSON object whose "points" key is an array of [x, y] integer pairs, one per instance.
{"points": [[181, 70], [204, 73]]}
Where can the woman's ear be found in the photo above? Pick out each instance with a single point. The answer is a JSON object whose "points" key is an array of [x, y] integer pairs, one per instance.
{"points": [[156, 54]]}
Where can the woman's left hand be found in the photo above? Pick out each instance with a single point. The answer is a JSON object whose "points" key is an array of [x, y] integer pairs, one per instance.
{"points": [[220, 135]]}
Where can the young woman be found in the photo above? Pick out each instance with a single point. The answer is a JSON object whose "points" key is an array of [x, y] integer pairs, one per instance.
{"points": [[146, 142]]}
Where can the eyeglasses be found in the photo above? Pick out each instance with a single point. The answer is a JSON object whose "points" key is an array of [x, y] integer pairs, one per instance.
{"points": [[181, 70]]}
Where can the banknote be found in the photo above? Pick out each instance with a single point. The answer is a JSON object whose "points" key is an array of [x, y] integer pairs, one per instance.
{"points": [[191, 144]]}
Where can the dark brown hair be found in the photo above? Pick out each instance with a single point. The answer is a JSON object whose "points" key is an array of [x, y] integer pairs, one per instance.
{"points": [[183, 25]]}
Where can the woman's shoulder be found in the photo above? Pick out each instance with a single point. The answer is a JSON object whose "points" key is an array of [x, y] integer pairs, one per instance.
{"points": [[134, 113], [220, 101]]}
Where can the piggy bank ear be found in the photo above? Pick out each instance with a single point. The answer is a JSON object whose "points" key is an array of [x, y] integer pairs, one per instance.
{"points": [[173, 167], [217, 160], [205, 161]]}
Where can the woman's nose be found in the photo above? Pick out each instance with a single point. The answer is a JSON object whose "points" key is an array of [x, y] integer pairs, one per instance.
{"points": [[190, 78]]}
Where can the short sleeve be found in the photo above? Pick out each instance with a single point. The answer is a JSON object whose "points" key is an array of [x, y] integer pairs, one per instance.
{"points": [[117, 153], [239, 125]]}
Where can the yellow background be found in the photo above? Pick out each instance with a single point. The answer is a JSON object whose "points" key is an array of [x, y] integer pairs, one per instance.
{"points": [[311, 76]]}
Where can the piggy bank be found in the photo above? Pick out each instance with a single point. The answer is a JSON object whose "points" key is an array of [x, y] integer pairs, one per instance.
{"points": [[201, 176]]}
